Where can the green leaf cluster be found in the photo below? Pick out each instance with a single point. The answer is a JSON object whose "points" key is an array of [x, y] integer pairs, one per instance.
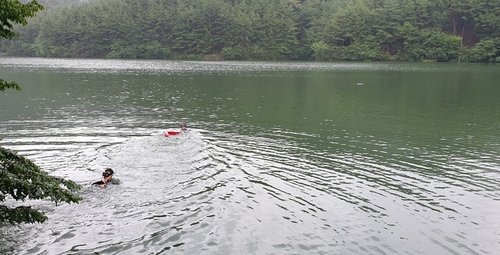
{"points": [[8, 85], [486, 51], [21, 179], [15, 12]]}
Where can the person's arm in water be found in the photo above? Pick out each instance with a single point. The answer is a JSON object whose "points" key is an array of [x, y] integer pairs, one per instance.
{"points": [[107, 176], [103, 183]]}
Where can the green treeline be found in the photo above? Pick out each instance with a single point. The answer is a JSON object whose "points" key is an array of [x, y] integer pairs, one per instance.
{"points": [[323, 30]]}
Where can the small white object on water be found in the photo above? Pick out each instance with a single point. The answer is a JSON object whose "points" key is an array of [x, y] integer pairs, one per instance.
{"points": [[360, 83]]}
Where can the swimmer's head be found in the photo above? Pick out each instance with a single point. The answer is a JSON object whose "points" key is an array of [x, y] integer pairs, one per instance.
{"points": [[108, 172]]}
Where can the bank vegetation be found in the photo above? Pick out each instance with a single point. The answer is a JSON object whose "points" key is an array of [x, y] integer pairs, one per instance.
{"points": [[321, 30]]}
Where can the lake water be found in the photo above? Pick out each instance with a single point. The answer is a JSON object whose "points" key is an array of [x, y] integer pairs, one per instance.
{"points": [[280, 158]]}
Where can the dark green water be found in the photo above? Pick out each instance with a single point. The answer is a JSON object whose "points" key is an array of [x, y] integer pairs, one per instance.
{"points": [[281, 158]]}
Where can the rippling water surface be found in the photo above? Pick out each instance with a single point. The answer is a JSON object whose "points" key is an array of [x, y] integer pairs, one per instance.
{"points": [[280, 158]]}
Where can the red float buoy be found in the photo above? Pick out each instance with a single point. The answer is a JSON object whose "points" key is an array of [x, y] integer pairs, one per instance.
{"points": [[169, 133]]}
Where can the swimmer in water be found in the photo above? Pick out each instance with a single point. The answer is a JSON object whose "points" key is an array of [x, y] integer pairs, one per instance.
{"points": [[107, 178]]}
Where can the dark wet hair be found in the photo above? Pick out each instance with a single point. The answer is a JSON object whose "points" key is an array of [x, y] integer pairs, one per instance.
{"points": [[184, 125], [108, 172]]}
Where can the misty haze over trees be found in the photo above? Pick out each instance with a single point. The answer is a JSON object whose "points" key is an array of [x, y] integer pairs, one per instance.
{"points": [[322, 30]]}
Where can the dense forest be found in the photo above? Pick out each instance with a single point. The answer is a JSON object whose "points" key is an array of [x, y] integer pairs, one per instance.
{"points": [[322, 30]]}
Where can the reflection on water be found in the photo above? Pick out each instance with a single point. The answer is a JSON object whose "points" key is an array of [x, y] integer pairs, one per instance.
{"points": [[281, 158]]}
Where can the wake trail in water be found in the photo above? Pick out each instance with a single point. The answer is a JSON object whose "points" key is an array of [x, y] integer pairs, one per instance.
{"points": [[203, 187]]}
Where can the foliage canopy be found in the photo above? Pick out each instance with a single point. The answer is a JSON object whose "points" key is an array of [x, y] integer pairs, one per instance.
{"points": [[21, 179], [407, 30], [14, 12]]}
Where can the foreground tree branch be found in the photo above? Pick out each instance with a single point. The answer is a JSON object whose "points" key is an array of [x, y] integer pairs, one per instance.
{"points": [[20, 178]]}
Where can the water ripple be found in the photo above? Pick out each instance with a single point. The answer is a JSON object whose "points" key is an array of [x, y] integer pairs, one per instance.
{"points": [[236, 185]]}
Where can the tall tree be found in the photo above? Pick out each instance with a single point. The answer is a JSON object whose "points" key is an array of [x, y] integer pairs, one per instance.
{"points": [[14, 12], [20, 178]]}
